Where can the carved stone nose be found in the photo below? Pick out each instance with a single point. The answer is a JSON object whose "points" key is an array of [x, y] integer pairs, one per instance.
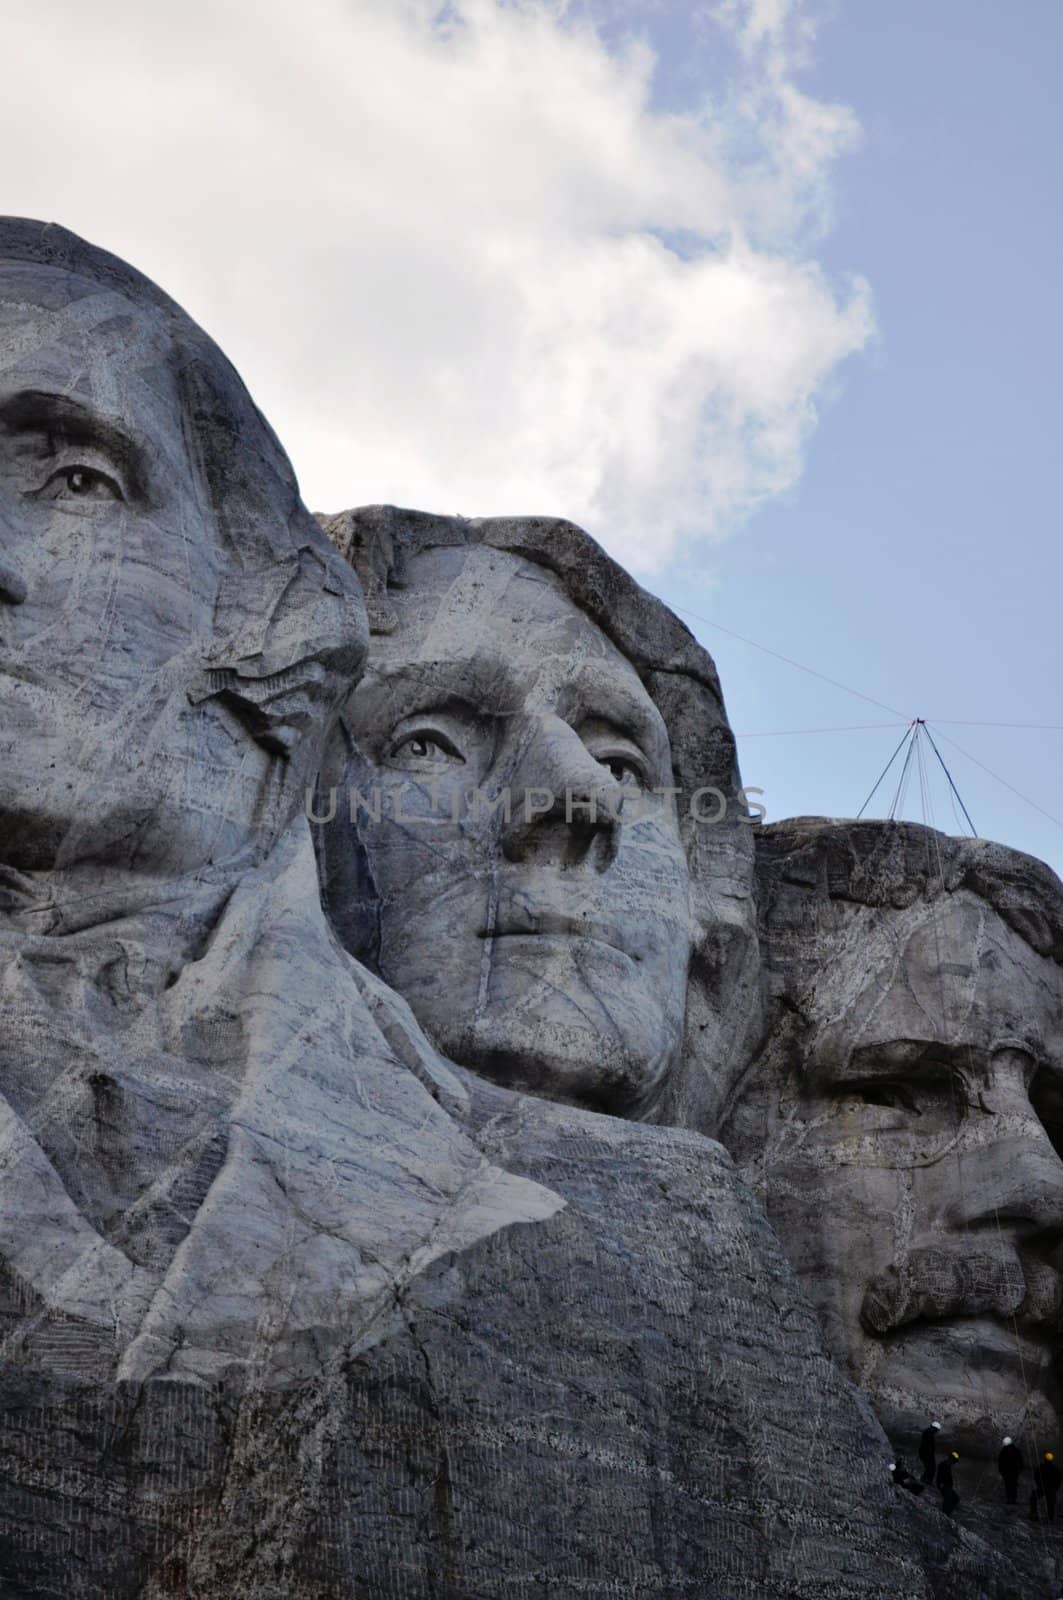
{"points": [[1015, 1182], [573, 828], [565, 809]]}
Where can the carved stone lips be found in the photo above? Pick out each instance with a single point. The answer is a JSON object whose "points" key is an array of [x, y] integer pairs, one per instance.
{"points": [[521, 923]]}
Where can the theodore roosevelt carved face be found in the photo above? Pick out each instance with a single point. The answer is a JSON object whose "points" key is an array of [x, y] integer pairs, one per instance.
{"points": [[903, 1128]]}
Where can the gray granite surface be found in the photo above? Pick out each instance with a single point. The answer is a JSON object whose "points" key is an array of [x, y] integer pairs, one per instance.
{"points": [[364, 1231]]}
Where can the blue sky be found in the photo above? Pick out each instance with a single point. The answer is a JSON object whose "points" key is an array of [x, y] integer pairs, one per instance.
{"points": [[773, 315], [919, 558]]}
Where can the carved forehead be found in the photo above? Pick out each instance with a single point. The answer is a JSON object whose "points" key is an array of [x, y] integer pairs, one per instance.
{"points": [[950, 969], [958, 930], [806, 862], [68, 309], [66, 335], [502, 616]]}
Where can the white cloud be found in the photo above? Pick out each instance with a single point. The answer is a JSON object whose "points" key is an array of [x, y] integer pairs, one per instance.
{"points": [[441, 244]]}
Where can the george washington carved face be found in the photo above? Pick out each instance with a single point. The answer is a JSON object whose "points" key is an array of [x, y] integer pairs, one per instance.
{"points": [[143, 702]]}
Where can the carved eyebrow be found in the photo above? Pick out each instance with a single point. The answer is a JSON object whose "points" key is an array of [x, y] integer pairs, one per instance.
{"points": [[443, 685], [907, 1052], [473, 686], [41, 411], [619, 703]]}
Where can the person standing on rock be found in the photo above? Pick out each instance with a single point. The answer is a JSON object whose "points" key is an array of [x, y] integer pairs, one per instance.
{"points": [[1010, 1463], [927, 1450], [903, 1478], [1046, 1480], [949, 1498]]}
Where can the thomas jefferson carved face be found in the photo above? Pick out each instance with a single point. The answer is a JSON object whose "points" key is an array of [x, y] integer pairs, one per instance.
{"points": [[547, 950], [910, 1165]]}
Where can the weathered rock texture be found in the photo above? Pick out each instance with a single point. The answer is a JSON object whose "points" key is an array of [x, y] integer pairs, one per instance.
{"points": [[541, 671], [291, 1306], [630, 1398], [902, 1124], [217, 1135]]}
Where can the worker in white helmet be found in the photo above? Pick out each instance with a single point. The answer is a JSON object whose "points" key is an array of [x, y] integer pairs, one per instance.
{"points": [[927, 1450], [903, 1478], [1010, 1463]]}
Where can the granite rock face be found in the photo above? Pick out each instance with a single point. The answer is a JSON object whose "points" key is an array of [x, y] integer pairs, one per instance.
{"points": [[218, 1135], [630, 1397], [195, 1077], [503, 653], [383, 1252], [903, 1122], [559, 880]]}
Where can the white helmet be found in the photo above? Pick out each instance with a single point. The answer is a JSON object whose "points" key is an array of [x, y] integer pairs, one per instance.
{"points": [[936, 1425], [1007, 1439], [893, 1466]]}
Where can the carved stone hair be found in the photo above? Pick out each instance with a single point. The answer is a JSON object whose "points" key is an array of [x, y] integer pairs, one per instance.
{"points": [[806, 860], [807, 870]]}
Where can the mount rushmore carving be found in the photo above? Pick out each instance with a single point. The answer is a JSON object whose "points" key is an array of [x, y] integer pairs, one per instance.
{"points": [[366, 1222]]}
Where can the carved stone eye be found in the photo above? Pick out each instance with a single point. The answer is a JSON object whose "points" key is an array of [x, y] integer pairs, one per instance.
{"points": [[427, 749], [892, 1095], [83, 483], [623, 771], [879, 1094], [423, 748]]}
